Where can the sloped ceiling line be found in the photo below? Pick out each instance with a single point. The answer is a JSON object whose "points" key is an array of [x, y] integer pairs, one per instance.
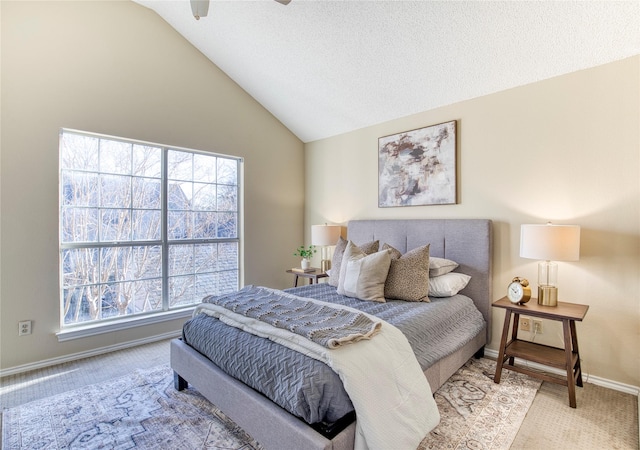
{"points": [[325, 68]]}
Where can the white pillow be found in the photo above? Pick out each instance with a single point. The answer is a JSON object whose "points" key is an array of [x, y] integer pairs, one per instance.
{"points": [[448, 285], [440, 266], [362, 276]]}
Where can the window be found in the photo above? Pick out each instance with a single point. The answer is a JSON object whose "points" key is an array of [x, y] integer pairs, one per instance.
{"points": [[144, 228]]}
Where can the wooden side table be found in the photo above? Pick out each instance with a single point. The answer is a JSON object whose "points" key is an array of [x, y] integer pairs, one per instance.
{"points": [[566, 359], [312, 276]]}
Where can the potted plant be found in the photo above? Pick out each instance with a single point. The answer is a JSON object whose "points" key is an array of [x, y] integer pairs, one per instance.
{"points": [[305, 253]]}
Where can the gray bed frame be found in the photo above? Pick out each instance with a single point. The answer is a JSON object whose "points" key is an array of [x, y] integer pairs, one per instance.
{"points": [[466, 241]]}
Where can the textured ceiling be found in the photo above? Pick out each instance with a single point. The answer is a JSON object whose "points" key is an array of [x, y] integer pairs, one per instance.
{"points": [[328, 67]]}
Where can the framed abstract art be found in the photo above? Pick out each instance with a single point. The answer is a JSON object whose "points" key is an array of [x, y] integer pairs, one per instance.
{"points": [[418, 167]]}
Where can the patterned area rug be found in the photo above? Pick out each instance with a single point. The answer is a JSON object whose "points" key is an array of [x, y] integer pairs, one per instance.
{"points": [[143, 411], [476, 413], [140, 411]]}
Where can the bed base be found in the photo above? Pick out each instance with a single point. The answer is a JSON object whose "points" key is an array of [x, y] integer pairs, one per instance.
{"points": [[269, 424]]}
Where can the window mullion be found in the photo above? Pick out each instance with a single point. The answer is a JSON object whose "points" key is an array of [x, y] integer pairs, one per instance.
{"points": [[164, 227]]}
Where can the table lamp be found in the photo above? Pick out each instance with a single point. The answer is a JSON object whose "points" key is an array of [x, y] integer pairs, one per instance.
{"points": [[323, 236], [549, 243]]}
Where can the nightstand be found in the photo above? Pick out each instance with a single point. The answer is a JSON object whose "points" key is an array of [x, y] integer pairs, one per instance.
{"points": [[566, 359], [312, 276]]}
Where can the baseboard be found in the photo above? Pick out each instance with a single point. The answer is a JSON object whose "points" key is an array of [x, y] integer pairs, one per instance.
{"points": [[610, 384], [81, 355]]}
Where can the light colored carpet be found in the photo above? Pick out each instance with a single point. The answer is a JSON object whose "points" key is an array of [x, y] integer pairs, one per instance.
{"points": [[33, 385], [604, 419], [142, 410]]}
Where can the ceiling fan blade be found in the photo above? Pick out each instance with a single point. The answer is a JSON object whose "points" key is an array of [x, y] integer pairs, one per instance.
{"points": [[199, 8]]}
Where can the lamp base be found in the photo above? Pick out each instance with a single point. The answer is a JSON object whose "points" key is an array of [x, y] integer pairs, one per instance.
{"points": [[325, 265], [547, 295]]}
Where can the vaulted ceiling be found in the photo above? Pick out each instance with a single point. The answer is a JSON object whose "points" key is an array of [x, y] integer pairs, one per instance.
{"points": [[329, 67]]}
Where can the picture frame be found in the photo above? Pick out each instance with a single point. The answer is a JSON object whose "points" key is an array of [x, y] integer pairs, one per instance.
{"points": [[418, 167]]}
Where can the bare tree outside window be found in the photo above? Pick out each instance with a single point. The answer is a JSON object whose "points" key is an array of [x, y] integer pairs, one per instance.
{"points": [[143, 228]]}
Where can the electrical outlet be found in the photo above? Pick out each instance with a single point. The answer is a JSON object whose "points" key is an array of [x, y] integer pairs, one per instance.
{"points": [[525, 324], [24, 328], [537, 326]]}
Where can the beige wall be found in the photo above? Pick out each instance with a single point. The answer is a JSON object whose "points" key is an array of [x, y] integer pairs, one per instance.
{"points": [[566, 150], [117, 68]]}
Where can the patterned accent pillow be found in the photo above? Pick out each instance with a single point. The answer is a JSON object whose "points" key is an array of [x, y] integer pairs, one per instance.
{"points": [[440, 266], [448, 285], [336, 262], [408, 277], [362, 276]]}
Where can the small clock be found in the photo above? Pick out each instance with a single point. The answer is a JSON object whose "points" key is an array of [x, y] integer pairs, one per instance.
{"points": [[519, 291]]}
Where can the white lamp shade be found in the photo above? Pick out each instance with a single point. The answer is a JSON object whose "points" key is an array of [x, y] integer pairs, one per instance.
{"points": [[325, 234], [550, 242]]}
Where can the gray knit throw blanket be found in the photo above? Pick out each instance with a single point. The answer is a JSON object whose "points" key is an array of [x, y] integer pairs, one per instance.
{"points": [[328, 326]]}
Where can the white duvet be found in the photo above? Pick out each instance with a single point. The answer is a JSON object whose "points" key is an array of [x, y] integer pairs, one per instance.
{"points": [[394, 405]]}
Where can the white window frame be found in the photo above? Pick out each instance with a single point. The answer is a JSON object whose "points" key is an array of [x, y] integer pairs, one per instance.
{"points": [[98, 326]]}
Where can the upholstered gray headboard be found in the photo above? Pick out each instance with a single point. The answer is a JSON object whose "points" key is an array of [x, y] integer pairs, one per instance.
{"points": [[465, 241]]}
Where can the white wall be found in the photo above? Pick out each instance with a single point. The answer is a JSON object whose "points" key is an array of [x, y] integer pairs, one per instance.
{"points": [[567, 150], [117, 68]]}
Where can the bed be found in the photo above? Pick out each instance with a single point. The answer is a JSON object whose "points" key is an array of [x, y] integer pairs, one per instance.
{"points": [[468, 242]]}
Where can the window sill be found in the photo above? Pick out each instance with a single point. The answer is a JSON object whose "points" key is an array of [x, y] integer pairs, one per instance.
{"points": [[122, 324]]}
